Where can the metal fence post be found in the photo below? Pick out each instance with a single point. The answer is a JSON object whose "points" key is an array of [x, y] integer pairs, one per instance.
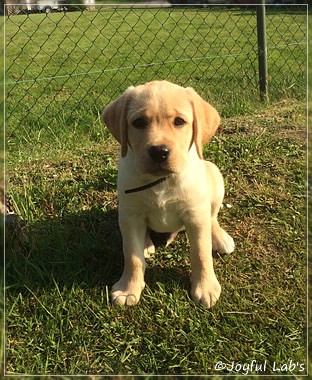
{"points": [[262, 51]]}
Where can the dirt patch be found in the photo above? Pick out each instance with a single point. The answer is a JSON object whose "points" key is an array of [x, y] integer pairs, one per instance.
{"points": [[286, 119]]}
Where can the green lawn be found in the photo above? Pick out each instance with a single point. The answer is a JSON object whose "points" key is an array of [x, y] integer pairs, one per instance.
{"points": [[65, 252]]}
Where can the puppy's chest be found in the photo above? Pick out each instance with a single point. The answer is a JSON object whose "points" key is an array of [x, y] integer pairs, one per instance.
{"points": [[163, 212]]}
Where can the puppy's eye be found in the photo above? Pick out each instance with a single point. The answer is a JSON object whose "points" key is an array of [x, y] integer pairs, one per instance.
{"points": [[179, 122], [140, 123]]}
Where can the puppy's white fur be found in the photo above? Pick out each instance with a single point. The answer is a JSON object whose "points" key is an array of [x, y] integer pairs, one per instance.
{"points": [[189, 198]]}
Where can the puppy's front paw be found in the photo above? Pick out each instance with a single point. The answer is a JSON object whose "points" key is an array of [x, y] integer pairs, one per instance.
{"points": [[206, 292], [127, 294]]}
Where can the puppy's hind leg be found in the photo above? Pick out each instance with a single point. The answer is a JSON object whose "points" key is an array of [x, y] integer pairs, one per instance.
{"points": [[149, 247], [222, 242]]}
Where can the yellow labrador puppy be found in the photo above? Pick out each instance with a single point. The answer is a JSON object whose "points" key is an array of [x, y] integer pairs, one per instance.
{"points": [[165, 185]]}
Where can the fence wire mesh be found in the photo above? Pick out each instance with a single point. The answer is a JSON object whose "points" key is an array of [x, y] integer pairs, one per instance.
{"points": [[60, 66]]}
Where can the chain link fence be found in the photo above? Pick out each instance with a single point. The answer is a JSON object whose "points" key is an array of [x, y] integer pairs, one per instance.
{"points": [[66, 66]]}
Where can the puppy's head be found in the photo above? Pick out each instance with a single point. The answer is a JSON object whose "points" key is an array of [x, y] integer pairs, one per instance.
{"points": [[159, 121]]}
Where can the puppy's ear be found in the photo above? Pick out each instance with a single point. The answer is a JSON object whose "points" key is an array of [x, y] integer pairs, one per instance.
{"points": [[115, 117], [206, 121]]}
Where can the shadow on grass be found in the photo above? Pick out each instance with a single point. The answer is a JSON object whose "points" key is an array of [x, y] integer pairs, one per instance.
{"points": [[84, 249]]}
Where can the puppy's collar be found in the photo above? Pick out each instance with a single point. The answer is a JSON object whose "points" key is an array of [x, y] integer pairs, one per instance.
{"points": [[144, 187]]}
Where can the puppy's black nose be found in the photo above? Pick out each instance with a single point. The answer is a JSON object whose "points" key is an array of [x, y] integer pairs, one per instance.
{"points": [[159, 153]]}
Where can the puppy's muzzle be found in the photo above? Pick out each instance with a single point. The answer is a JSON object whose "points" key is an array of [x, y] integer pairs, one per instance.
{"points": [[159, 153]]}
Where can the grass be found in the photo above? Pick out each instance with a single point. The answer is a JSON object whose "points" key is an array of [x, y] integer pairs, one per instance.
{"points": [[62, 263], [64, 253], [94, 54]]}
